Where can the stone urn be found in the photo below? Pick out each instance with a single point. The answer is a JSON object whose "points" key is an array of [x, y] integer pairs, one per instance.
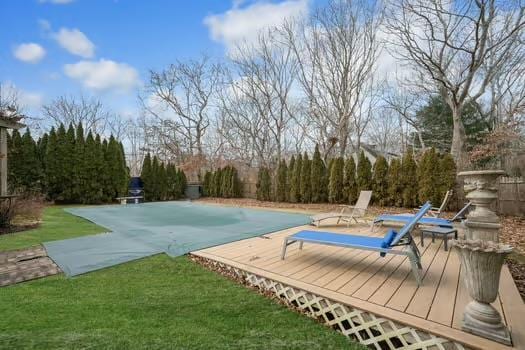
{"points": [[481, 190], [482, 262]]}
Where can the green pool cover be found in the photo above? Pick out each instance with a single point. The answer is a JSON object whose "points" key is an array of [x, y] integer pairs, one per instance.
{"points": [[174, 228]]}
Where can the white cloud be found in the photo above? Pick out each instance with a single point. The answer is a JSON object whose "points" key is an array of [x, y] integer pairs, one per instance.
{"points": [[26, 99], [75, 42], [103, 74], [56, 2], [244, 23], [29, 53]]}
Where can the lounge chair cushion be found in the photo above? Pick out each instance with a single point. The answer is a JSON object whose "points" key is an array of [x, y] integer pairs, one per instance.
{"points": [[338, 239], [406, 218], [389, 237]]}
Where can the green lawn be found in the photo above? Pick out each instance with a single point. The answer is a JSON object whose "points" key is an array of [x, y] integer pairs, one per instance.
{"points": [[57, 224], [158, 302]]}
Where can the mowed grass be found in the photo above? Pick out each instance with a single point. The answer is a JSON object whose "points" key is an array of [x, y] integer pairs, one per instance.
{"points": [[154, 303], [57, 224]]}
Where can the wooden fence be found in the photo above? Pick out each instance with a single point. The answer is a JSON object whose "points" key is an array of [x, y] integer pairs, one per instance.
{"points": [[511, 199]]}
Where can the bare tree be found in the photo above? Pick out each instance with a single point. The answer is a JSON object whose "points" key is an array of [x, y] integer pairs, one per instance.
{"points": [[385, 132], [9, 98], [455, 48], [336, 51], [179, 98], [74, 110]]}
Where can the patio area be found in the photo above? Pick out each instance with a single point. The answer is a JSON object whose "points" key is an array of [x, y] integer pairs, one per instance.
{"points": [[372, 299]]}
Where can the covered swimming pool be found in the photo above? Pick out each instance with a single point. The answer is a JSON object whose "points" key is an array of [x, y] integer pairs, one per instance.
{"points": [[174, 228]]}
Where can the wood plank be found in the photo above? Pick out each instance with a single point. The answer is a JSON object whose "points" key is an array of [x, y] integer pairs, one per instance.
{"points": [[442, 309], [329, 263], [424, 295], [327, 277], [403, 272], [361, 278], [406, 290], [513, 308], [462, 299], [345, 277]]}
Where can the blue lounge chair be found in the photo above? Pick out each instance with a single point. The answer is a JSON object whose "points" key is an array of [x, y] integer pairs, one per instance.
{"points": [[383, 245], [430, 221]]}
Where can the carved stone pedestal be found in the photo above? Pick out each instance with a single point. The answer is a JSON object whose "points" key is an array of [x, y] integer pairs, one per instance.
{"points": [[482, 262]]}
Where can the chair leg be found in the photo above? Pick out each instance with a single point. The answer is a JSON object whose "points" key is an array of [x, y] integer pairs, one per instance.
{"points": [[445, 242], [415, 268], [422, 238], [285, 245], [301, 245]]}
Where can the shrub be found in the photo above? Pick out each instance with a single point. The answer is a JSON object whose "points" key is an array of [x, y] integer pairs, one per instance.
{"points": [[281, 187], [364, 173], [380, 181], [264, 185], [395, 184], [306, 185], [290, 178], [428, 177], [409, 176], [318, 178], [335, 185], [206, 183], [448, 170], [295, 186], [349, 183]]}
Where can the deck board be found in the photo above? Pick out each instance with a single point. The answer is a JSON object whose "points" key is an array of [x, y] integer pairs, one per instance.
{"points": [[383, 285]]}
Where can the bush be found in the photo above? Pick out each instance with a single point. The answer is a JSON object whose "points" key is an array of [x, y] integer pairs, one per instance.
{"points": [[318, 178], [306, 185], [409, 176], [295, 185], [335, 185], [428, 177], [281, 187], [364, 173], [395, 184], [264, 185], [349, 183], [380, 181]]}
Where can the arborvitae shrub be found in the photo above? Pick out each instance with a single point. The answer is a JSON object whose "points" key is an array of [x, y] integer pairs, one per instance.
{"points": [[380, 181], [264, 185], [364, 173], [428, 178], [448, 170], [290, 178], [349, 182], [306, 185], [409, 176], [318, 178], [335, 185], [217, 177], [295, 186], [281, 186], [206, 184], [395, 183]]}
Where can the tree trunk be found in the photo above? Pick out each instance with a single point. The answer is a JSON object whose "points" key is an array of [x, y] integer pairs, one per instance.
{"points": [[457, 148]]}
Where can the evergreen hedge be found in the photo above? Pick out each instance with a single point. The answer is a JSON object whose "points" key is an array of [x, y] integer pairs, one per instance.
{"points": [[161, 181], [223, 182], [67, 166], [335, 184], [264, 185], [380, 181], [349, 183]]}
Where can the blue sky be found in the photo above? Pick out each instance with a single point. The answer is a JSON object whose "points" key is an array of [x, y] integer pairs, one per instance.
{"points": [[105, 48]]}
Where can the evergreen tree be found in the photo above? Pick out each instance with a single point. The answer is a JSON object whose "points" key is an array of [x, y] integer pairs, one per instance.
{"points": [[395, 183], [217, 177], [162, 182], [380, 181], [281, 188], [52, 166], [448, 170], [235, 184], [349, 182], [95, 167], [318, 178], [145, 176], [335, 186], [306, 184], [155, 166], [264, 185], [80, 163], [295, 186], [183, 183], [409, 177], [206, 184], [364, 173], [290, 178], [42, 149], [428, 177], [69, 173]]}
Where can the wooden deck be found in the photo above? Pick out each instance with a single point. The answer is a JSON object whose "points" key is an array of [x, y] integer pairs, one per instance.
{"points": [[382, 286]]}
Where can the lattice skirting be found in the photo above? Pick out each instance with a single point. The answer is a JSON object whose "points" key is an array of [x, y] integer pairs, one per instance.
{"points": [[371, 330]]}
